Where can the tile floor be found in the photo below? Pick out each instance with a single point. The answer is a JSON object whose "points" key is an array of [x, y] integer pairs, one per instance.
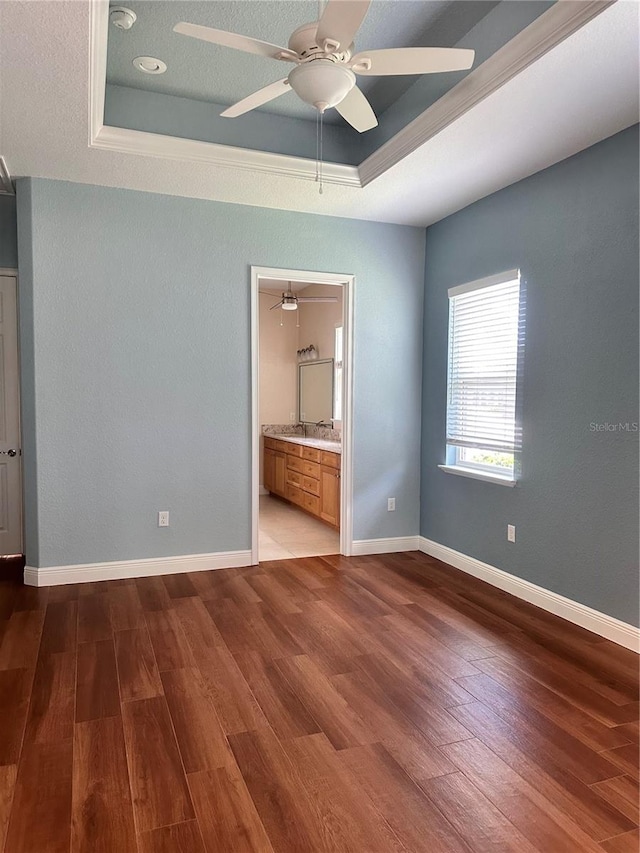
{"points": [[287, 532]]}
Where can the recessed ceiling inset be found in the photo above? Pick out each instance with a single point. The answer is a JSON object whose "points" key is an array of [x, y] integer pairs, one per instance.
{"points": [[149, 65]]}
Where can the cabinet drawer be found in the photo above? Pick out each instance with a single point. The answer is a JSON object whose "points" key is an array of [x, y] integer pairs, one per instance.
{"points": [[311, 502], [270, 444], [293, 449], [311, 485], [330, 459], [295, 477], [311, 469], [295, 464], [311, 453], [294, 494]]}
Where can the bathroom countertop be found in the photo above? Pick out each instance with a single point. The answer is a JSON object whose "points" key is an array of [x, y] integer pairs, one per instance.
{"points": [[318, 443]]}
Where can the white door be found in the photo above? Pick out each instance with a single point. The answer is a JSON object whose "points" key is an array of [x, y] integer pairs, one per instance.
{"points": [[10, 467]]}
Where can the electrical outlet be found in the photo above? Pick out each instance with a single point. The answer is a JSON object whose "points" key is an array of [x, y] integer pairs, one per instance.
{"points": [[292, 417], [511, 533], [163, 518], [391, 505]]}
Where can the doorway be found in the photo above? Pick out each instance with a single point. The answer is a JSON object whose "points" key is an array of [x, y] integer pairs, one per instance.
{"points": [[301, 450], [10, 454]]}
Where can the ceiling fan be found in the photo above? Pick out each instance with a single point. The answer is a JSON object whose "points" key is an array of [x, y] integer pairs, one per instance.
{"points": [[326, 65], [289, 301]]}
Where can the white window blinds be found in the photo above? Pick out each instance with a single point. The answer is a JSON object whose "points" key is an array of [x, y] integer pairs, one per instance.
{"points": [[483, 363]]}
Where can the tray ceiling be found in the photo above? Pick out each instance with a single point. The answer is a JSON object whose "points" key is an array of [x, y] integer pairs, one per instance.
{"points": [[211, 73], [202, 79], [583, 88]]}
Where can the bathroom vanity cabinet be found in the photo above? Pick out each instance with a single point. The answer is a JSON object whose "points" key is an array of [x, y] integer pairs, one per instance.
{"points": [[306, 475]]}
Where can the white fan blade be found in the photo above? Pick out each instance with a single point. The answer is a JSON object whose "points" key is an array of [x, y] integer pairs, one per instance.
{"points": [[356, 109], [262, 96], [277, 305], [341, 20], [317, 298], [248, 45], [411, 60]]}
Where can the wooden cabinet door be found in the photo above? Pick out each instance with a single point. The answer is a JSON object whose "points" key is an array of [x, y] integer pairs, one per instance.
{"points": [[330, 495], [268, 470], [279, 473]]}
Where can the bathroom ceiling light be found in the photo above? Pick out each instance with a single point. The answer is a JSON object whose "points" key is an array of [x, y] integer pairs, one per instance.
{"points": [[149, 65]]}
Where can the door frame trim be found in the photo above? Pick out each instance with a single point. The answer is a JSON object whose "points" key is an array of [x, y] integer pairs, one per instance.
{"points": [[12, 272], [347, 282]]}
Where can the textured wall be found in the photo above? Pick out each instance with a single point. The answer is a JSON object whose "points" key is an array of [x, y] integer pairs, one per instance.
{"points": [[136, 307], [8, 239], [573, 231], [278, 362], [318, 320]]}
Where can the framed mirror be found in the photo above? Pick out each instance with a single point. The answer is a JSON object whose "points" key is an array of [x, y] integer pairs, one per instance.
{"points": [[315, 391]]}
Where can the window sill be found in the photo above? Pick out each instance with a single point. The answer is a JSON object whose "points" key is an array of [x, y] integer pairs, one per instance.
{"points": [[477, 475]]}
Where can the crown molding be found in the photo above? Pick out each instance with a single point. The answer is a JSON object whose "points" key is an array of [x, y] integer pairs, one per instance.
{"points": [[194, 151], [547, 31], [543, 34]]}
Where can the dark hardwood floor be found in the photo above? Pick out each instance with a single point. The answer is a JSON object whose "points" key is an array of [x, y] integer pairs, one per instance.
{"points": [[365, 705]]}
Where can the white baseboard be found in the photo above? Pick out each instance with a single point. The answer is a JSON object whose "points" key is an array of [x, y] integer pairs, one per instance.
{"points": [[56, 575], [361, 547], [593, 620]]}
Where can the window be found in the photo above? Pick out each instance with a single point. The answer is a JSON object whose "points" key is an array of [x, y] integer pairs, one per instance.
{"points": [[337, 379], [484, 337]]}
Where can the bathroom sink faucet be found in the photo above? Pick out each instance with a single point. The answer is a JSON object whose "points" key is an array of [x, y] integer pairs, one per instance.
{"points": [[319, 423]]}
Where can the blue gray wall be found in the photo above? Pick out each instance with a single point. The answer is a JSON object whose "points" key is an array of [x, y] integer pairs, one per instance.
{"points": [[153, 112], [135, 329], [8, 238], [573, 232]]}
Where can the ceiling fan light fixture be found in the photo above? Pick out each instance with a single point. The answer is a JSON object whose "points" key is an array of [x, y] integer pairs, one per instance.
{"points": [[322, 82], [289, 302]]}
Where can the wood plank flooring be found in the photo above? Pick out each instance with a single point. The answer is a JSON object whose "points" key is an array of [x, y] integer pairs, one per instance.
{"points": [[367, 705]]}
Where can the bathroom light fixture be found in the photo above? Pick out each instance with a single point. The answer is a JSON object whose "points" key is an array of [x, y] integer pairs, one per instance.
{"points": [[149, 65]]}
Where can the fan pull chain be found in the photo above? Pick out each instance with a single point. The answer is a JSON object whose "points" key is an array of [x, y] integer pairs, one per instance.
{"points": [[317, 145], [321, 129]]}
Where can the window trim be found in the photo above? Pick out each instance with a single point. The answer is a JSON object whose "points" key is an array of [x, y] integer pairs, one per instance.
{"points": [[478, 475]]}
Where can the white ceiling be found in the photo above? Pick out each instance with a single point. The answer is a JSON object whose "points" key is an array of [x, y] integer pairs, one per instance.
{"points": [[582, 91]]}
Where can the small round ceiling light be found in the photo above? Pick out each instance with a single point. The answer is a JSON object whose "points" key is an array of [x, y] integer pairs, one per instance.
{"points": [[149, 65], [122, 18]]}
